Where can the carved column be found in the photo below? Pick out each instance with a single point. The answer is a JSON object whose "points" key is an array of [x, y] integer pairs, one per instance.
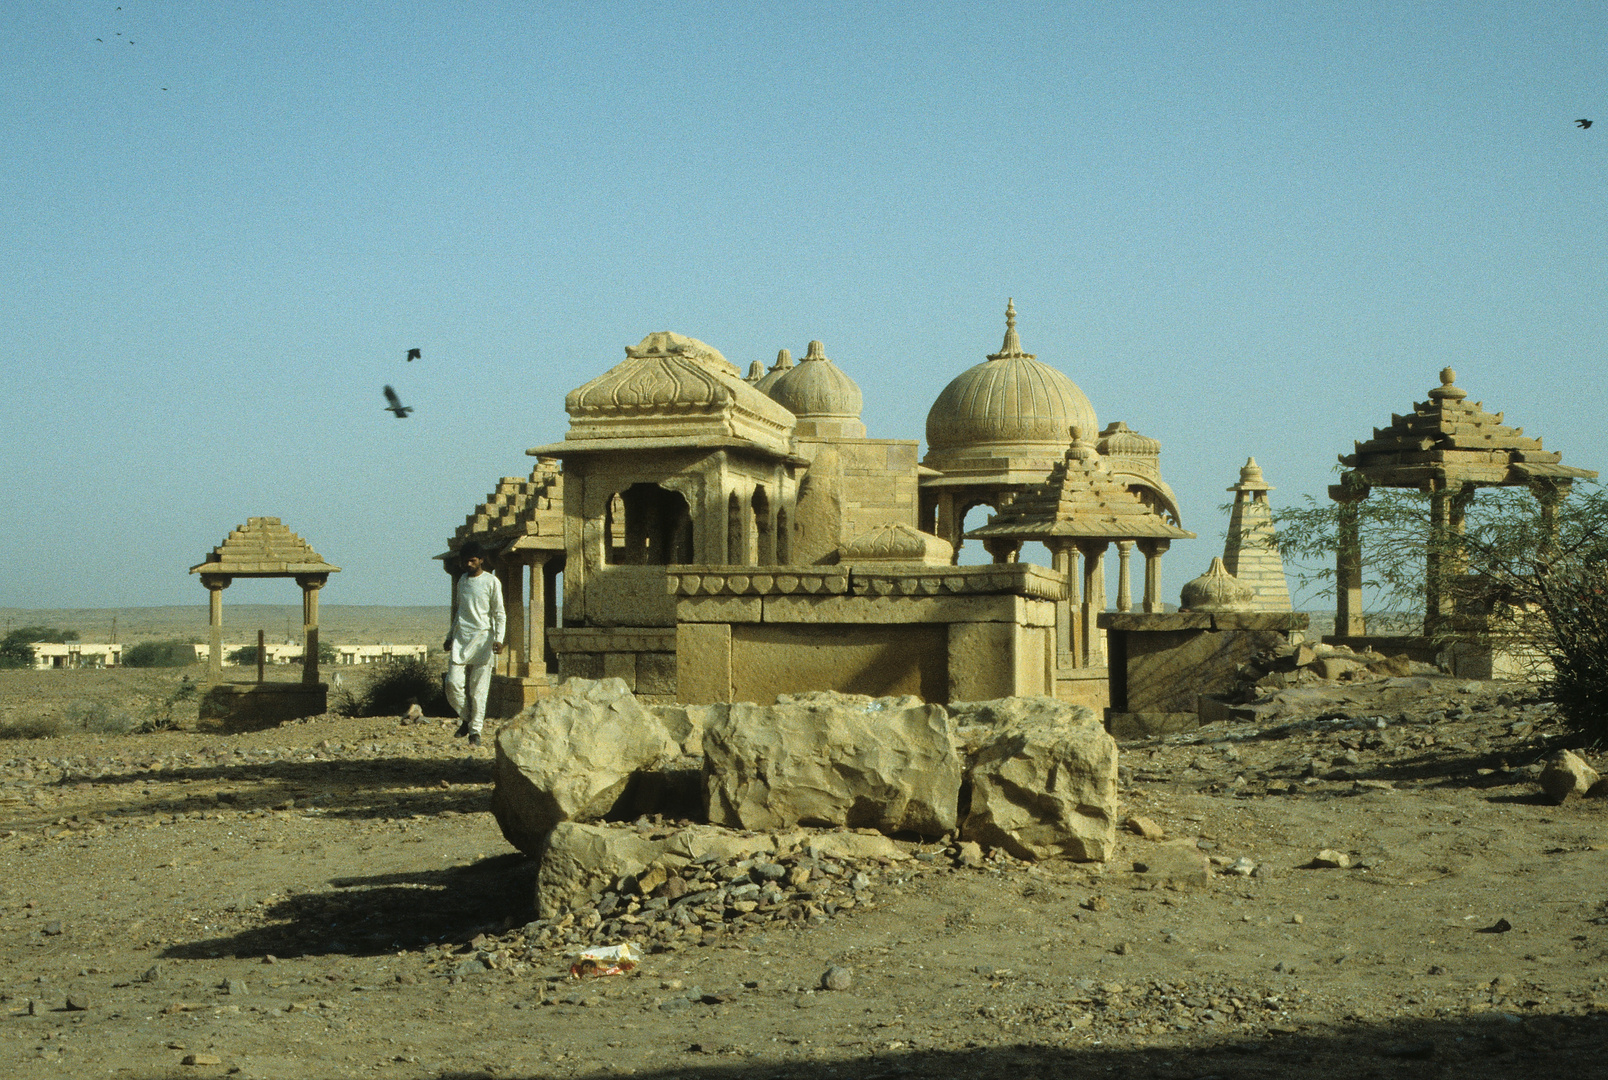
{"points": [[512, 577], [1124, 589], [1153, 551], [1548, 494], [215, 584], [537, 615], [1064, 560], [1348, 620], [1094, 600]]}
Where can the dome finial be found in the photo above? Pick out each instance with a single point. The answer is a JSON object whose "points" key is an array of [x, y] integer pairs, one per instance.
{"points": [[1448, 389], [1012, 348]]}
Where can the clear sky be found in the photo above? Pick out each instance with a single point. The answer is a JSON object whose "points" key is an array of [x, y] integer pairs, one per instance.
{"points": [[1242, 228]]}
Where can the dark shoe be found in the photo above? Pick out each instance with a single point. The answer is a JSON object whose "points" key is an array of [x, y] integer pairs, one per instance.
{"points": [[474, 738], [463, 729]]}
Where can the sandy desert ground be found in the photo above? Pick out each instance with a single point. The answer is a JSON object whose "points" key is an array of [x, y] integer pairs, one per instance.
{"points": [[332, 898]]}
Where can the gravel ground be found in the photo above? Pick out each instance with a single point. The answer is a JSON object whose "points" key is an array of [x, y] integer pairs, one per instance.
{"points": [[331, 898]]}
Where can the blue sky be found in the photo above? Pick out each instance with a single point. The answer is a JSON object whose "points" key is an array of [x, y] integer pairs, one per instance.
{"points": [[1241, 228]]}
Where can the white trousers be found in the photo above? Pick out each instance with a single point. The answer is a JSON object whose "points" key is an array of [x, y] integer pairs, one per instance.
{"points": [[478, 679]]}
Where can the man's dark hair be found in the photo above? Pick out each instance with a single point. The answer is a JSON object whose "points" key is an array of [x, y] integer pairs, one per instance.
{"points": [[469, 551]]}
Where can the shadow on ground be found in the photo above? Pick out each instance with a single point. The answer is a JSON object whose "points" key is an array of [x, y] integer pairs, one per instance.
{"points": [[367, 916], [389, 787], [1468, 1048], [1478, 1047]]}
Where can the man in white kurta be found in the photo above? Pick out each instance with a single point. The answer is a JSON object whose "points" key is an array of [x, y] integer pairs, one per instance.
{"points": [[478, 624]]}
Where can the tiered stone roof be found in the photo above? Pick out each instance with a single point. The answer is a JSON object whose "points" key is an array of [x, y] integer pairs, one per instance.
{"points": [[1080, 498], [1448, 438], [263, 547], [521, 513]]}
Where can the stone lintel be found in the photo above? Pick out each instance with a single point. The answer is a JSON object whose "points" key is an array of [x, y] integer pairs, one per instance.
{"points": [[1260, 620], [1135, 620]]}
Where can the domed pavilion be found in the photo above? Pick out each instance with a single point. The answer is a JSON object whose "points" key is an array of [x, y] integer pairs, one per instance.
{"points": [[1001, 426]]}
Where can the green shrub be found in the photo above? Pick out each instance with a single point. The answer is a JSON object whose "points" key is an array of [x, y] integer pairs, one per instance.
{"points": [[99, 718], [402, 684], [32, 727], [169, 653]]}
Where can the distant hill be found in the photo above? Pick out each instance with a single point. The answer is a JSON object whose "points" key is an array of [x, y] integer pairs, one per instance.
{"points": [[345, 624]]}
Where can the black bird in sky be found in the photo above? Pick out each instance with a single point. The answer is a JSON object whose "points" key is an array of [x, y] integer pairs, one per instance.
{"points": [[1583, 123], [396, 405], [414, 354]]}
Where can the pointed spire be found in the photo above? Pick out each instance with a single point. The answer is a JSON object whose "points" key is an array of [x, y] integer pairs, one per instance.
{"points": [[756, 371], [1251, 478], [817, 352], [784, 360], [1012, 348]]}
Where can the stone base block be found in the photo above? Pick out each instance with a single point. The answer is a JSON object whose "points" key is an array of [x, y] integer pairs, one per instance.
{"points": [[511, 695], [1088, 686], [1144, 725], [263, 704]]}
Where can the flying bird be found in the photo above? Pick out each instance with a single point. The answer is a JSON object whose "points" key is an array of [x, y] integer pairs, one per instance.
{"points": [[414, 354], [396, 405], [1583, 123]]}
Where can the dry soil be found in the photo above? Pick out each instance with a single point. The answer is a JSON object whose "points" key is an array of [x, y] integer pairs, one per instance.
{"points": [[302, 902]]}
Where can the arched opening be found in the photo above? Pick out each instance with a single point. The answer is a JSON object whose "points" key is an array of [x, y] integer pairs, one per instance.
{"points": [[1034, 552], [654, 526], [973, 515], [764, 536]]}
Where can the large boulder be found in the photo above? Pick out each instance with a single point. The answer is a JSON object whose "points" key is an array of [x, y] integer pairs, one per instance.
{"points": [[581, 859], [978, 723], [1045, 791], [829, 759], [571, 757]]}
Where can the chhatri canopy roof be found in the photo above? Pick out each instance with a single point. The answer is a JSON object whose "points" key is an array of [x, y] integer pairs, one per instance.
{"points": [[1009, 405], [1081, 498], [263, 547], [1451, 439]]}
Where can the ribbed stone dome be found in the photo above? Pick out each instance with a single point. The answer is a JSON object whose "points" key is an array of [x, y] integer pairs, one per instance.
{"points": [[1216, 590], [816, 387], [1009, 400], [784, 364]]}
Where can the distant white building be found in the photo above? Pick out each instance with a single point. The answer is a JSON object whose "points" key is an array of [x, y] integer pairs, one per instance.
{"points": [[75, 654], [379, 654], [291, 653]]}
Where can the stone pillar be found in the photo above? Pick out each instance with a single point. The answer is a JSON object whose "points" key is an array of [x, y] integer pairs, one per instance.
{"points": [[536, 615], [1063, 560], [1124, 588], [1153, 551], [1548, 494], [1094, 600], [512, 576], [310, 584], [1348, 620], [215, 584]]}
